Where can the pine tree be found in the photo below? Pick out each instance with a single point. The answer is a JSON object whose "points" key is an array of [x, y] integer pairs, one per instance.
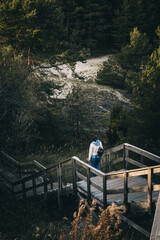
{"points": [[31, 28], [123, 23]]}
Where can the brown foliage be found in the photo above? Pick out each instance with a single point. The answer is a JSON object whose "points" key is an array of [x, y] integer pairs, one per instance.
{"points": [[107, 226]]}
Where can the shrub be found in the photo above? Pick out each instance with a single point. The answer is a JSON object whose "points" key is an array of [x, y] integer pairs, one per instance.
{"points": [[111, 74], [106, 228]]}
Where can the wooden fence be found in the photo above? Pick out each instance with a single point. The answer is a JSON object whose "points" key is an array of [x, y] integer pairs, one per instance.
{"points": [[124, 154], [66, 174]]}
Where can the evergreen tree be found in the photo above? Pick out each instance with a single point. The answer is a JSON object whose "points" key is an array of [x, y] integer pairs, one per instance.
{"points": [[31, 28], [123, 23], [152, 17], [134, 55], [118, 126]]}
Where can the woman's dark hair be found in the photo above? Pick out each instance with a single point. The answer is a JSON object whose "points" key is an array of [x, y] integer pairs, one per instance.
{"points": [[94, 137]]}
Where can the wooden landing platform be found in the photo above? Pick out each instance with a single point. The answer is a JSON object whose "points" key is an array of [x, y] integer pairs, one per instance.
{"points": [[134, 181]]}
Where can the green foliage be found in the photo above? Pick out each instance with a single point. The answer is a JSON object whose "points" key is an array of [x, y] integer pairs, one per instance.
{"points": [[38, 31], [135, 13], [123, 23], [146, 89], [121, 68], [134, 55], [111, 74], [147, 86], [118, 126], [78, 111], [28, 119], [31, 28], [142, 75]]}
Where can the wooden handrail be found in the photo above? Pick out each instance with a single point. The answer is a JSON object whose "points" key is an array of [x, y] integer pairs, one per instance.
{"points": [[125, 158], [39, 165], [142, 152], [55, 171], [12, 160]]}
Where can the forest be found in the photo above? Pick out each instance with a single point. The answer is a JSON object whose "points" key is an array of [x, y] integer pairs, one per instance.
{"points": [[39, 35], [34, 33]]}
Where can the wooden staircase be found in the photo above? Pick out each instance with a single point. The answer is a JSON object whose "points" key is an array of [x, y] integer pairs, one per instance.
{"points": [[136, 183]]}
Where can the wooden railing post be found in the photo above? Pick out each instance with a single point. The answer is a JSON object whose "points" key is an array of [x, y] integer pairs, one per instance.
{"points": [[19, 171], [150, 173], [34, 185], [88, 184], [142, 159], [104, 192], [24, 189], [109, 161], [12, 186], [106, 162], [59, 179], [59, 175], [45, 182], [125, 178], [74, 175], [124, 157]]}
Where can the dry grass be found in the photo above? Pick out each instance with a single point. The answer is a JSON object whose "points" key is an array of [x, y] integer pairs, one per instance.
{"points": [[82, 228], [106, 228]]}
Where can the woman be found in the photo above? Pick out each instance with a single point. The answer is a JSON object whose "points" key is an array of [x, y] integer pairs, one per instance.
{"points": [[94, 158]]}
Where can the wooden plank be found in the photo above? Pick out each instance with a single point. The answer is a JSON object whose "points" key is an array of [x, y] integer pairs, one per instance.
{"points": [[156, 170], [125, 188], [117, 160], [92, 197], [34, 186], [96, 186], [23, 189], [8, 187], [138, 189], [74, 176], [150, 173], [136, 172], [156, 187], [155, 232], [138, 164], [134, 225], [82, 177], [86, 166], [10, 159], [115, 149], [9, 181], [88, 184], [45, 182], [126, 156], [142, 152], [27, 178], [114, 176], [104, 192], [29, 187], [109, 162], [39, 165], [115, 189]]}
